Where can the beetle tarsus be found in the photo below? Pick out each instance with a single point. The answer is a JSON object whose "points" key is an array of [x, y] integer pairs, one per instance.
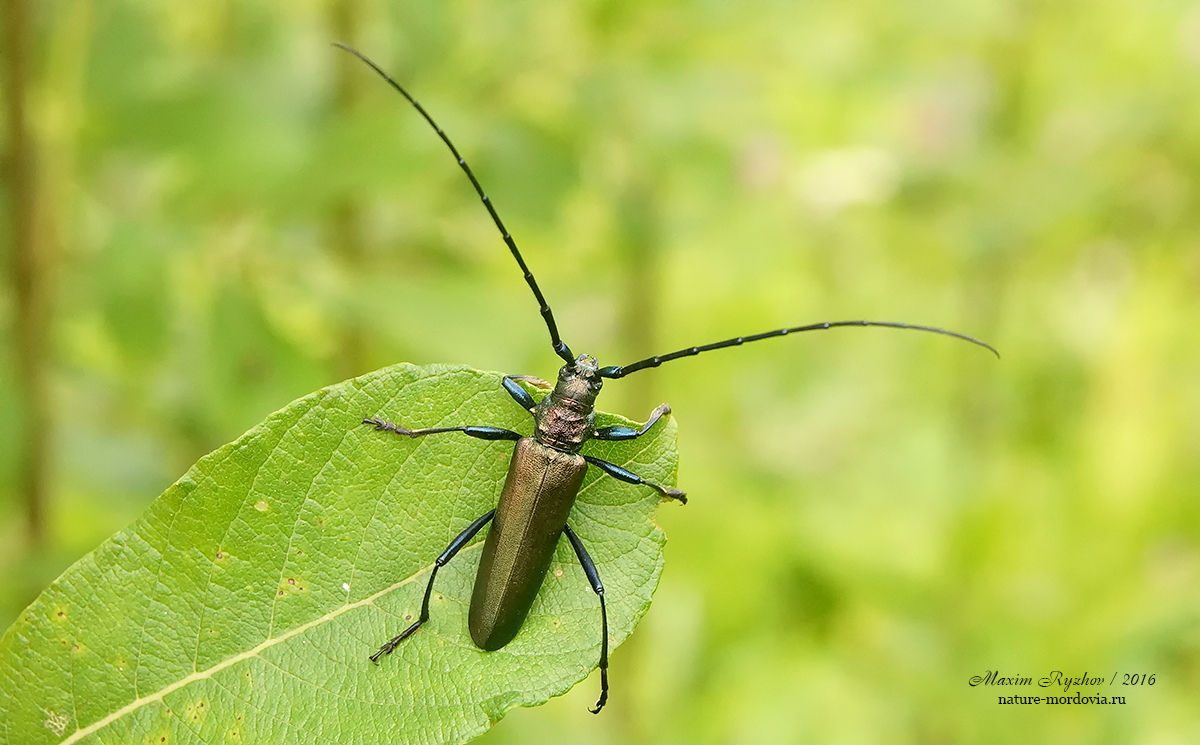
{"points": [[394, 642], [603, 691], [534, 381], [383, 425]]}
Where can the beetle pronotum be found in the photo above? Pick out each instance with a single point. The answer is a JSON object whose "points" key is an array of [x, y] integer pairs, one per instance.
{"points": [[547, 469]]}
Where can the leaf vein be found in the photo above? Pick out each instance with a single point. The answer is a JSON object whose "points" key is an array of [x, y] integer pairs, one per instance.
{"points": [[150, 601], [299, 514], [212, 566], [247, 655]]}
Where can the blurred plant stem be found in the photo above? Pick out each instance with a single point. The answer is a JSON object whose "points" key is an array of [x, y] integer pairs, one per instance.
{"points": [[638, 243], [343, 224], [41, 166], [997, 239], [1009, 60], [28, 266]]}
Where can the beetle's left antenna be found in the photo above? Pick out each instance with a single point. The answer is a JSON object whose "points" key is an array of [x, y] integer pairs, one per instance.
{"points": [[560, 347]]}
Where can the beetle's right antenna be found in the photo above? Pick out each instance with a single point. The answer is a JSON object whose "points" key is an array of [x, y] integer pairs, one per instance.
{"points": [[620, 371], [560, 347]]}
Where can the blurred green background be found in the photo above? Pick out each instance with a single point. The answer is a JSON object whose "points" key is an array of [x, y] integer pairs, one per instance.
{"points": [[208, 212]]}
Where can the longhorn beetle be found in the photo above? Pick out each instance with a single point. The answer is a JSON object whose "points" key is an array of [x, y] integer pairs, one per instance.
{"points": [[547, 469]]}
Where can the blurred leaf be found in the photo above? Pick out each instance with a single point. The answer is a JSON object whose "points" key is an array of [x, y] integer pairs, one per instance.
{"points": [[243, 605]]}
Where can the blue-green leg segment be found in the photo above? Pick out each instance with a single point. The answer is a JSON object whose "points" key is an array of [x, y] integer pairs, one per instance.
{"points": [[519, 394], [629, 477], [628, 433], [482, 433]]}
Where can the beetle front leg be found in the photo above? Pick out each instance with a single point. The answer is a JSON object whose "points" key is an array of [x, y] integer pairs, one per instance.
{"points": [[454, 547], [628, 433], [534, 381], [519, 394], [589, 568], [482, 433], [629, 477]]}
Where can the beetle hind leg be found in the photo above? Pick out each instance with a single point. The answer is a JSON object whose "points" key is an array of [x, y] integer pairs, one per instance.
{"points": [[455, 546], [589, 568]]}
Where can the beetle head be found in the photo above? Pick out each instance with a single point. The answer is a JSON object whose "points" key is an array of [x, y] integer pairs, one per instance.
{"points": [[579, 381]]}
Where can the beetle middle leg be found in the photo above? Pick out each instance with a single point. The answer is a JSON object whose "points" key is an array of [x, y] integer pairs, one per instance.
{"points": [[454, 547], [589, 568], [618, 432], [629, 477], [519, 394]]}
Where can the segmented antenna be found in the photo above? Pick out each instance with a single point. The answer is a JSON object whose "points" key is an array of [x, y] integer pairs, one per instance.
{"points": [[560, 347], [620, 372]]}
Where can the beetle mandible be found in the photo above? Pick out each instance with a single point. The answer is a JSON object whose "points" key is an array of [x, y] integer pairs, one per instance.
{"points": [[547, 469]]}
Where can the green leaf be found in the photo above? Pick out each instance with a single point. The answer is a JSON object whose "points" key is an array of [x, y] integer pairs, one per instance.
{"points": [[242, 606]]}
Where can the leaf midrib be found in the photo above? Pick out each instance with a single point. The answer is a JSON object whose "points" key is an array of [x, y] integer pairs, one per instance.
{"points": [[248, 654]]}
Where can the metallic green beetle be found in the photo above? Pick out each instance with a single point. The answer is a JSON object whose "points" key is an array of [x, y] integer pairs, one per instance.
{"points": [[547, 469]]}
